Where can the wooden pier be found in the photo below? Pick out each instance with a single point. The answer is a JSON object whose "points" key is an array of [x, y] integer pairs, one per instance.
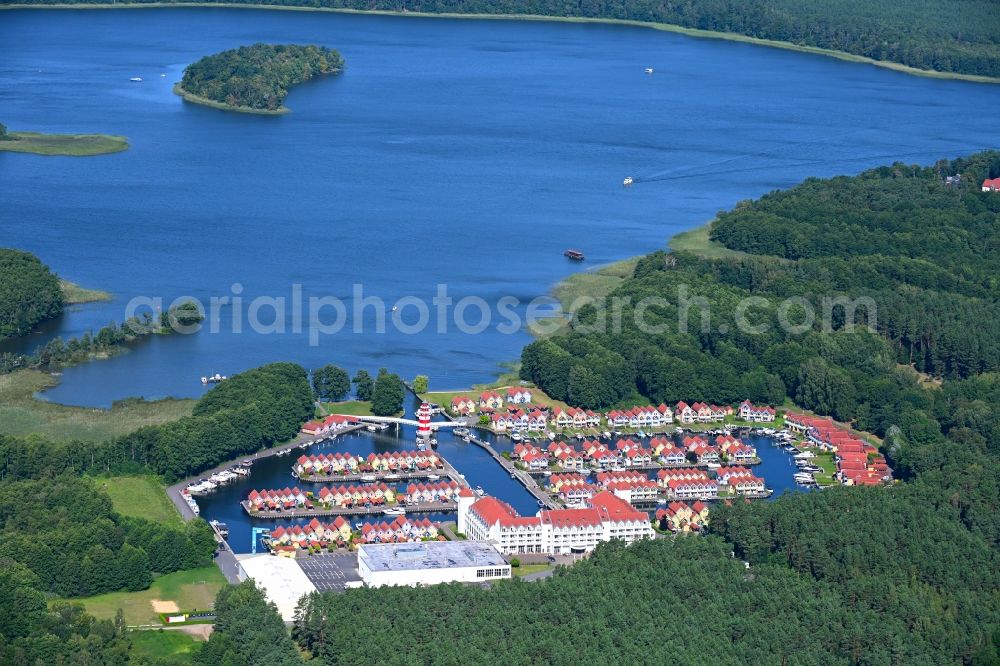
{"points": [[302, 512], [523, 477]]}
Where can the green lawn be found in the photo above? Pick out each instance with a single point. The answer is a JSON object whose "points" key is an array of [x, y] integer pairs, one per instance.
{"points": [[170, 647], [22, 414], [698, 242], [139, 496], [349, 407], [74, 293], [194, 589], [526, 569], [64, 144]]}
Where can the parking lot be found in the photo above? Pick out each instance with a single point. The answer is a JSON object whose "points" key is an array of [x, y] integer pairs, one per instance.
{"points": [[330, 571]]}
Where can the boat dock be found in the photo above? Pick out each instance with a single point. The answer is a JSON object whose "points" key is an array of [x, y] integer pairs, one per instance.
{"points": [[419, 507], [524, 478]]}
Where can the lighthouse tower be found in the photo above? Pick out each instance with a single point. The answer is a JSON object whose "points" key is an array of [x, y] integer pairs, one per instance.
{"points": [[424, 421]]}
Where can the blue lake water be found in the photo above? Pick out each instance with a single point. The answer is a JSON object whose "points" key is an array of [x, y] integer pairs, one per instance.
{"points": [[460, 152]]}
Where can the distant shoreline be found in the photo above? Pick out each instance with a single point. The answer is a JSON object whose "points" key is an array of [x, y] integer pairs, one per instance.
{"points": [[665, 27], [204, 101]]}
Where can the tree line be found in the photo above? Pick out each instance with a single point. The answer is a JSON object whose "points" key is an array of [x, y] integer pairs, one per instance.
{"points": [[958, 36], [244, 414], [29, 292], [258, 76], [60, 536], [59, 353]]}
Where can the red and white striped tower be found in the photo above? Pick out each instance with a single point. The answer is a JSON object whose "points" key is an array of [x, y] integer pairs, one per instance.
{"points": [[424, 421]]}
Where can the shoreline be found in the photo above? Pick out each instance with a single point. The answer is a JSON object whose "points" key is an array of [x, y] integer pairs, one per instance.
{"points": [[663, 27], [60, 145], [222, 106]]}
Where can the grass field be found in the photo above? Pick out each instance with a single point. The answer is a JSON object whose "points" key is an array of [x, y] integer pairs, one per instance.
{"points": [[74, 294], [191, 590], [349, 407], [526, 569], [171, 647], [140, 497], [64, 144], [697, 242], [21, 413]]}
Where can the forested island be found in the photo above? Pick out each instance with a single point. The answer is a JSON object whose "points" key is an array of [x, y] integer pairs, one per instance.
{"points": [[958, 37], [255, 78], [30, 293], [60, 144]]}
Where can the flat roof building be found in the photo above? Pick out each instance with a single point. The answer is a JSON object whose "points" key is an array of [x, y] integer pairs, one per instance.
{"points": [[281, 579], [430, 563]]}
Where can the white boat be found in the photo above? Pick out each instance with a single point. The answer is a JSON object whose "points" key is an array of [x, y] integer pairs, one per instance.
{"points": [[391, 477], [136, 79], [516, 436], [421, 446], [368, 477], [628, 181], [480, 491], [649, 70], [431, 477], [713, 465], [162, 75], [398, 511], [371, 428], [804, 455]]}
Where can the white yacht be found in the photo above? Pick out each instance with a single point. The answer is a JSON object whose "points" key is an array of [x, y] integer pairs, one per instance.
{"points": [[136, 79], [649, 70], [628, 181]]}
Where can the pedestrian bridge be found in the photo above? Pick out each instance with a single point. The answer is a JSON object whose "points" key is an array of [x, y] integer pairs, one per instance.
{"points": [[434, 425]]}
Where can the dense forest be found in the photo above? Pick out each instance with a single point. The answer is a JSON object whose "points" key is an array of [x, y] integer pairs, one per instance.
{"points": [[29, 293], [957, 36], [258, 76], [925, 253], [60, 536], [247, 412]]}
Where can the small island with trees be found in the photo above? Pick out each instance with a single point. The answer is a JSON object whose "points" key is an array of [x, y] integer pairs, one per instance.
{"points": [[60, 144], [255, 79]]}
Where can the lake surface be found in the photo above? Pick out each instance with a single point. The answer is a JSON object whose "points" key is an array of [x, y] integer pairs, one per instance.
{"points": [[274, 473], [460, 152]]}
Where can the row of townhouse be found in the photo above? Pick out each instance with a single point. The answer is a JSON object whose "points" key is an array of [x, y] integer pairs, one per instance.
{"points": [[735, 450], [740, 480], [342, 496], [573, 489], [632, 487], [441, 491], [327, 426], [401, 530], [858, 462], [687, 483], [347, 463], [702, 451], [604, 517], [531, 456], [700, 412], [519, 420], [491, 400], [683, 517], [756, 413], [285, 540], [640, 417], [574, 417], [566, 456]]}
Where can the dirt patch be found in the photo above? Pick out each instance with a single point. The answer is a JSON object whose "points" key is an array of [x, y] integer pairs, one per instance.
{"points": [[164, 606], [199, 631]]}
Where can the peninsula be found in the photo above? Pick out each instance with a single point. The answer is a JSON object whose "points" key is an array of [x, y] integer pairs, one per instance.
{"points": [[61, 144], [255, 79]]}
